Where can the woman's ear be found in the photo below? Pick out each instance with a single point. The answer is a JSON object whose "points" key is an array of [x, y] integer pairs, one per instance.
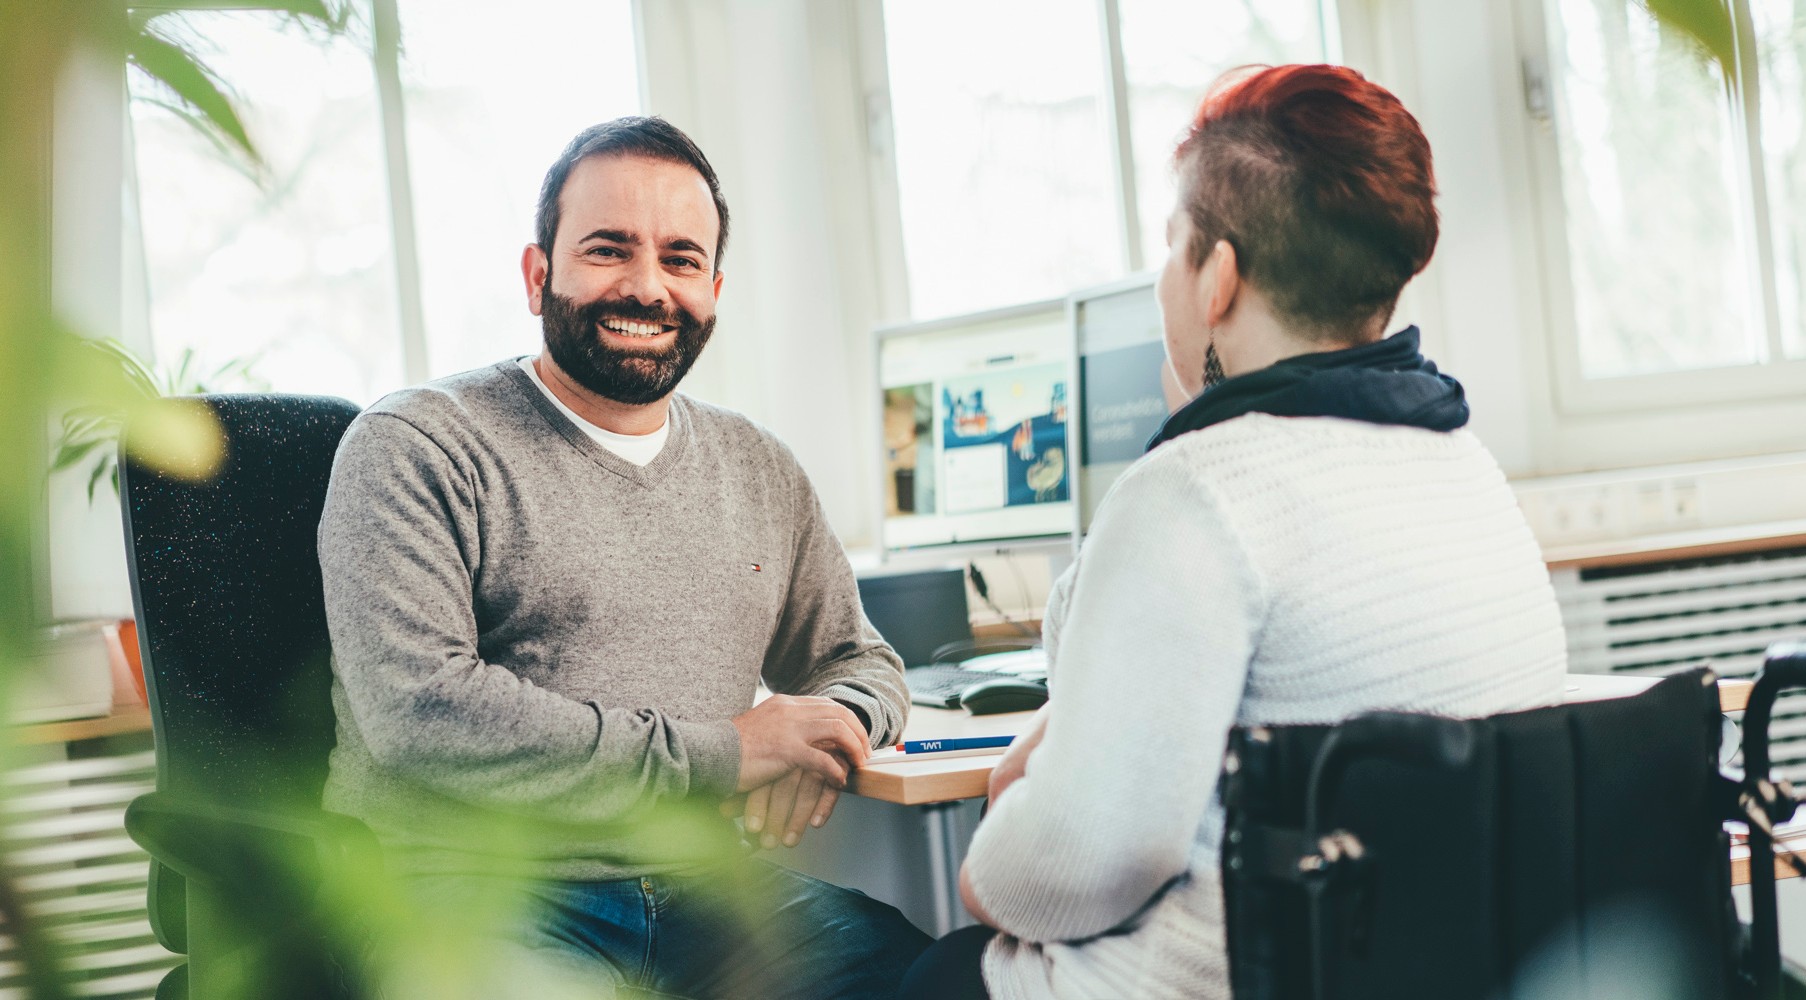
{"points": [[1222, 280]]}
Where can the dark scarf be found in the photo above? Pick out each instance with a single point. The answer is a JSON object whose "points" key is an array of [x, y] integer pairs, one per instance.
{"points": [[1385, 382]]}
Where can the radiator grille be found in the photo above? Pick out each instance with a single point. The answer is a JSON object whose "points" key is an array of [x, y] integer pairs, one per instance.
{"points": [[81, 876], [1722, 612]]}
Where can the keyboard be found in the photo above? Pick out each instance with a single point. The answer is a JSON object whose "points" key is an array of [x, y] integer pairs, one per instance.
{"points": [[939, 685]]}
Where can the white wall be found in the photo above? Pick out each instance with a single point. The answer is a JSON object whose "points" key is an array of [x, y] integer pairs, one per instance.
{"points": [[778, 92], [772, 90], [86, 542]]}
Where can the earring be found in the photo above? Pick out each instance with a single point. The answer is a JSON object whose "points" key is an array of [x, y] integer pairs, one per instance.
{"points": [[1213, 367]]}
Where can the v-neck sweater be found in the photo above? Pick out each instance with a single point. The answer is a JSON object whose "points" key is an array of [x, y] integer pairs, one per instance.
{"points": [[538, 645]]}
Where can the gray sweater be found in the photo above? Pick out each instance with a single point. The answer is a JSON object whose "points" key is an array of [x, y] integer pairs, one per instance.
{"points": [[538, 645]]}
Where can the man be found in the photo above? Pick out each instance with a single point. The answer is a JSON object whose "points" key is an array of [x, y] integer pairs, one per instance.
{"points": [[553, 586]]}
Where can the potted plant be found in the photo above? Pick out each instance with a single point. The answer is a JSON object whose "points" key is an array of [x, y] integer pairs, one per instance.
{"points": [[87, 445]]}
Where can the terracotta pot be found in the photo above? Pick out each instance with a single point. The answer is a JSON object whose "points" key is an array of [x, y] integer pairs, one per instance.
{"points": [[134, 664]]}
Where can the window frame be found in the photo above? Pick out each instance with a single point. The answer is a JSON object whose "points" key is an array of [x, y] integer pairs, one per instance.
{"points": [[1113, 101], [1714, 394]]}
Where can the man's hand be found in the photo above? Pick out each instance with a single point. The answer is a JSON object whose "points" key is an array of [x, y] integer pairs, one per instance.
{"points": [[785, 733], [785, 808]]}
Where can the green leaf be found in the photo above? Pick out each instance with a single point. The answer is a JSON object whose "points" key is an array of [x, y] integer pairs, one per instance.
{"points": [[193, 83], [72, 454], [315, 9], [1706, 22], [102, 468], [228, 153], [136, 372]]}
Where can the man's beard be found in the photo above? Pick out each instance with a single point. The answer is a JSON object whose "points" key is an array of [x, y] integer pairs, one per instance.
{"points": [[1213, 367], [632, 377]]}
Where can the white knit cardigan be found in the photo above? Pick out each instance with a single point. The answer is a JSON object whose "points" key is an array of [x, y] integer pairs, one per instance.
{"points": [[1264, 570]]}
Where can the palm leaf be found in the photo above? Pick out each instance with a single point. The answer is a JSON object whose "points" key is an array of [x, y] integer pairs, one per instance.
{"points": [[1706, 22], [228, 153], [315, 9], [106, 465], [135, 371], [73, 453], [193, 83]]}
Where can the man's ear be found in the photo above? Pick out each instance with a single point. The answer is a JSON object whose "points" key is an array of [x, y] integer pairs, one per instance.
{"points": [[718, 276], [1222, 280], [533, 265]]}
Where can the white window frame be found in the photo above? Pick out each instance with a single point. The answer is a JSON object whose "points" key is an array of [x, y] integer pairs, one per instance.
{"points": [[1680, 416], [1114, 101]]}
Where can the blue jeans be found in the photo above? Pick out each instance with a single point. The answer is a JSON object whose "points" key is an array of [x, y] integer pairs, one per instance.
{"points": [[745, 928]]}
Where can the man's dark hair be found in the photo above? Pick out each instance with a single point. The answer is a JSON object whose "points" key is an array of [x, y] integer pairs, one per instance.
{"points": [[634, 135]]}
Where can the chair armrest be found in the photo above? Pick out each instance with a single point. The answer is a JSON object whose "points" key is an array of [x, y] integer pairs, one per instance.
{"points": [[229, 847]]}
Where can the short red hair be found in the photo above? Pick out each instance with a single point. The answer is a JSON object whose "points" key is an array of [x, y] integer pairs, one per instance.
{"points": [[1322, 182]]}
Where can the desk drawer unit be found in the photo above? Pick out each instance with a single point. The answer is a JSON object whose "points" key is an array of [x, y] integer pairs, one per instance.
{"points": [[1658, 618], [80, 876]]}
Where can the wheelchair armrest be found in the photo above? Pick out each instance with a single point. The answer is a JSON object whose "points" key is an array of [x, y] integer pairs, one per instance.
{"points": [[233, 847]]}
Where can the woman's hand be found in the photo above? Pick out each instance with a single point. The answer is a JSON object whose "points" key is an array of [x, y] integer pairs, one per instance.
{"points": [[1014, 762]]}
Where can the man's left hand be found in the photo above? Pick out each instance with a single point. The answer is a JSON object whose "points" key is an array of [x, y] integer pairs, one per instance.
{"points": [[782, 810]]}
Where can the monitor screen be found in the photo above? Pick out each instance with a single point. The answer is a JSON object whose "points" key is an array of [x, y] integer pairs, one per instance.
{"points": [[974, 424], [1117, 334], [917, 613]]}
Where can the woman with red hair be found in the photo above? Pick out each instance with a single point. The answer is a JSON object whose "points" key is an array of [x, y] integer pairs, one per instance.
{"points": [[1313, 534]]}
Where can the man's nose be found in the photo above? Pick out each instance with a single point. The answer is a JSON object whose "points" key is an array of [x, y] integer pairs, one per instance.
{"points": [[643, 281]]}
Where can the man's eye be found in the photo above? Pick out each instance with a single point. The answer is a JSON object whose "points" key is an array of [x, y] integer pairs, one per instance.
{"points": [[603, 252], [682, 262]]}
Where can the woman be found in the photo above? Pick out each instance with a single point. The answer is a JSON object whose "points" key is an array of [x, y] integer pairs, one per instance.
{"points": [[1311, 535]]}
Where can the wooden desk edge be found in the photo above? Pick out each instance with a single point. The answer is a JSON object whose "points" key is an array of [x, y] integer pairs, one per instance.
{"points": [[133, 719]]}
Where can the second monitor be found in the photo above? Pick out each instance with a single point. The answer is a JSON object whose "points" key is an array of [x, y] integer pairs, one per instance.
{"points": [[1119, 343]]}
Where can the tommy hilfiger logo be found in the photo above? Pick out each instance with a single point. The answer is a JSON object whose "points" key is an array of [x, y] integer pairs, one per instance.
{"points": [[757, 568]]}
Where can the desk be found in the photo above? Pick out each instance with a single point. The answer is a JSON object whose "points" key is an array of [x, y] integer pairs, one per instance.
{"points": [[935, 785]]}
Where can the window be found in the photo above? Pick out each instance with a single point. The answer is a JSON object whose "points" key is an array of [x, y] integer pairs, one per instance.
{"points": [[1676, 257], [297, 274], [1041, 167], [303, 274], [1003, 174], [1172, 50], [481, 133]]}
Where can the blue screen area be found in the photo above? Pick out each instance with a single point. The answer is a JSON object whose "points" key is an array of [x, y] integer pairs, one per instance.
{"points": [[1123, 403], [1018, 418]]}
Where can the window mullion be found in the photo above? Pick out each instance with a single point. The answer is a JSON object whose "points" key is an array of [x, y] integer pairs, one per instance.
{"points": [[1746, 103], [386, 22], [1116, 116]]}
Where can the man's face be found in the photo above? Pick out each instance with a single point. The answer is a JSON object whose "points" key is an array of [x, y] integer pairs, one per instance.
{"points": [[627, 298]]}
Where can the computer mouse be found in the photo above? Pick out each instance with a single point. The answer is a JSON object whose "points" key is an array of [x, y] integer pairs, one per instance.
{"points": [[1005, 694]]}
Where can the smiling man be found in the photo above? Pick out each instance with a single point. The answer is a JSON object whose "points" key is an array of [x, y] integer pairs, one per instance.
{"points": [[554, 585]]}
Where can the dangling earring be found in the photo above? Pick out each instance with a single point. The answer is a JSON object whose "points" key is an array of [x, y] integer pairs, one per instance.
{"points": [[1213, 366]]}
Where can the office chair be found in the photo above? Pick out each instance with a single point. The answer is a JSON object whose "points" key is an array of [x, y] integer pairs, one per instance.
{"points": [[1576, 851], [226, 587]]}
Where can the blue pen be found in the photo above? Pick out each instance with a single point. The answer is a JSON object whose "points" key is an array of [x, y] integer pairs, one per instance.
{"points": [[967, 743]]}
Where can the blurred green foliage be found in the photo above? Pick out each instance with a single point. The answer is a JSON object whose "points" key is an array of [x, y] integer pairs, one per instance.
{"points": [[90, 433], [443, 954], [1706, 22]]}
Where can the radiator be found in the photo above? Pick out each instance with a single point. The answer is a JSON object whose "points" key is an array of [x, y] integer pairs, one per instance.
{"points": [[1719, 611], [79, 874]]}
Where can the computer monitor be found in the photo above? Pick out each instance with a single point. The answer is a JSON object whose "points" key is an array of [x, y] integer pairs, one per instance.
{"points": [[974, 437], [917, 613], [1119, 346]]}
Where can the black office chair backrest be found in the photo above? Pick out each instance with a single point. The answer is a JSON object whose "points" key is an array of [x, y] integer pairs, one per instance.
{"points": [[231, 624], [1563, 852]]}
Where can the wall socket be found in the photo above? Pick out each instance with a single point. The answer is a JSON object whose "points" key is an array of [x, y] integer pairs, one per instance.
{"points": [[1599, 511]]}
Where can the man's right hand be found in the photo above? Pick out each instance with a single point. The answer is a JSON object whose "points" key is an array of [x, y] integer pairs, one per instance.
{"points": [[819, 736]]}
